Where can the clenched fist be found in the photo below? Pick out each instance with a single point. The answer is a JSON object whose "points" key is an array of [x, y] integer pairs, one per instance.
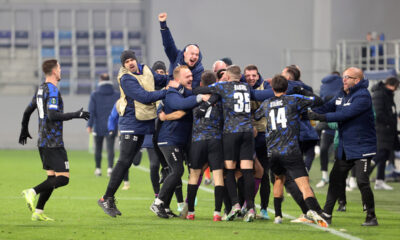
{"points": [[162, 17]]}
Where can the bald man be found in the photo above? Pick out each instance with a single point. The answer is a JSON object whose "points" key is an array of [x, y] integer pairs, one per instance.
{"points": [[218, 65], [190, 55], [352, 109]]}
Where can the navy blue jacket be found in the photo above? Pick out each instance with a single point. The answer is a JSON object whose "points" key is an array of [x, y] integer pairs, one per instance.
{"points": [[355, 117], [128, 124], [113, 119], [331, 86], [101, 102], [176, 58], [177, 132], [307, 132]]}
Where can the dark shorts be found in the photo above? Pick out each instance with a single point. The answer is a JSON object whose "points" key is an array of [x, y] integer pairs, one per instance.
{"points": [[238, 146], [206, 151], [54, 159], [292, 165]]}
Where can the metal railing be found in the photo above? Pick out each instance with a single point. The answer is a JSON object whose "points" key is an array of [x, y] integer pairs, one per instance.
{"points": [[375, 55]]}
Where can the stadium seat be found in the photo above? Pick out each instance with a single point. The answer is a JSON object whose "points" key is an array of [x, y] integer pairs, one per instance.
{"points": [[21, 39], [380, 74], [5, 39]]}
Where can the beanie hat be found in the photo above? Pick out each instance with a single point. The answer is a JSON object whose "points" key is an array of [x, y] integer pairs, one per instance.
{"points": [[126, 55], [159, 65]]}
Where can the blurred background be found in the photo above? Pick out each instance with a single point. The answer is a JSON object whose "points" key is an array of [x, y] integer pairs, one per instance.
{"points": [[87, 37]]}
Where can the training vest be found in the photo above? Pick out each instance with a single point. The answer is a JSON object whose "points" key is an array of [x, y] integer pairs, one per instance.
{"points": [[261, 124], [143, 111]]}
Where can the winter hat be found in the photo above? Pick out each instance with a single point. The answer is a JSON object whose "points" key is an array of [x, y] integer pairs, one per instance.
{"points": [[126, 55], [159, 65]]}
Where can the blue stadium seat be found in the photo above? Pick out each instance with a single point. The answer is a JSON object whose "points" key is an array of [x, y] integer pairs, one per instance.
{"points": [[137, 50], [47, 35], [64, 35], [117, 35], [100, 50], [99, 35], [380, 74], [134, 35], [21, 39], [5, 39], [82, 34], [48, 52], [117, 50], [65, 51]]}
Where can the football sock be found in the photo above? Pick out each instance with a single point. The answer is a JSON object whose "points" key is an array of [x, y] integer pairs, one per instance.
{"points": [[278, 206], [44, 196], [313, 204], [218, 195], [249, 187], [231, 186], [191, 194]]}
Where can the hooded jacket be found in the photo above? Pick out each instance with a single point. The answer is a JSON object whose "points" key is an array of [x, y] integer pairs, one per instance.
{"points": [[355, 117], [331, 86], [101, 102], [176, 57]]}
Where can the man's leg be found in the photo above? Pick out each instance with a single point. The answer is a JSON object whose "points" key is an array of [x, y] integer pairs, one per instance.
{"points": [[336, 183], [98, 148], [278, 197], [325, 142], [362, 166], [129, 146], [154, 168], [174, 157], [192, 191], [110, 141]]}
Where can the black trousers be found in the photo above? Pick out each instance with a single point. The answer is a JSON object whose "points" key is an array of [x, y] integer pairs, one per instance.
{"points": [[337, 182], [265, 188], [174, 156], [326, 141], [129, 146], [381, 157], [98, 146], [307, 149], [154, 168]]}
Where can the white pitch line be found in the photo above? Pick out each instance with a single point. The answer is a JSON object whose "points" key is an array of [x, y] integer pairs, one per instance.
{"points": [[331, 230]]}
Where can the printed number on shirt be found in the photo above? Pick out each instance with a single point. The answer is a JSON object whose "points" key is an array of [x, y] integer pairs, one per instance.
{"points": [[208, 113], [280, 118], [39, 102], [242, 102]]}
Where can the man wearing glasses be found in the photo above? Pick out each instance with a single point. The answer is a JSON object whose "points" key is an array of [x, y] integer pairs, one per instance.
{"points": [[352, 109]]}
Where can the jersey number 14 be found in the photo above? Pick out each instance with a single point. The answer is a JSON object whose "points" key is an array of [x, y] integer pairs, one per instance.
{"points": [[280, 118]]}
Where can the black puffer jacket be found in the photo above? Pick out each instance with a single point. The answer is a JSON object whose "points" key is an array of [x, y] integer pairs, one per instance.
{"points": [[386, 117]]}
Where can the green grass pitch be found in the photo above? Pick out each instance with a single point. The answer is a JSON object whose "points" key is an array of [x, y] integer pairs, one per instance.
{"points": [[78, 217]]}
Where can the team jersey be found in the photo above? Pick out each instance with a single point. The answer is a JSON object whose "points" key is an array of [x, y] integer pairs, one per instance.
{"points": [[235, 98], [50, 132], [283, 128], [207, 127]]}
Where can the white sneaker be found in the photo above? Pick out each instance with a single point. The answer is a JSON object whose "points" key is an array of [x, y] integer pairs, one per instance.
{"points": [[321, 183], [278, 220], [97, 172], [381, 185], [352, 183], [109, 171], [126, 185]]}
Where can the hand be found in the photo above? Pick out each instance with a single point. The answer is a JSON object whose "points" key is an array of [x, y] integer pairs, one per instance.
{"points": [[298, 90], [24, 135], [173, 84], [82, 114], [316, 116], [162, 116], [205, 97], [111, 133], [162, 17], [255, 132], [89, 130]]}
